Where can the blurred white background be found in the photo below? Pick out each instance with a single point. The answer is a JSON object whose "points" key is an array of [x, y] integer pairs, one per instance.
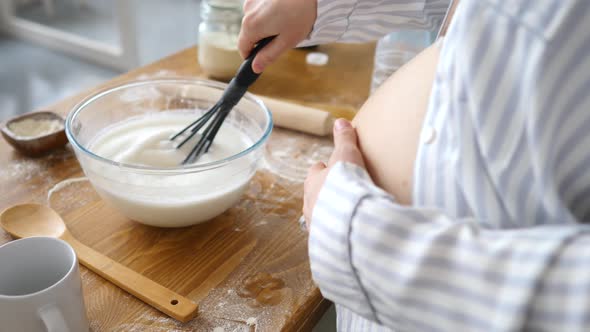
{"points": [[50, 49]]}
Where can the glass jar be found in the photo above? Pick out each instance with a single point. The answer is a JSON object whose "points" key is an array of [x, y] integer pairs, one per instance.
{"points": [[395, 49], [218, 38]]}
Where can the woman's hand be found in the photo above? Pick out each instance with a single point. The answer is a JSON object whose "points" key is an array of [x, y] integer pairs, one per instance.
{"points": [[290, 20], [346, 150]]}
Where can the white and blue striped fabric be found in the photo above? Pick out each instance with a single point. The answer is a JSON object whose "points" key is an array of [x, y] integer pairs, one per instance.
{"points": [[495, 239]]}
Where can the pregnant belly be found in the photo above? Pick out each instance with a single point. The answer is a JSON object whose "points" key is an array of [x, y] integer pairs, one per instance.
{"points": [[390, 122]]}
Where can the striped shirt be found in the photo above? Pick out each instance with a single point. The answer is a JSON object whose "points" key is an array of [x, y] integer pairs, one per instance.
{"points": [[495, 239]]}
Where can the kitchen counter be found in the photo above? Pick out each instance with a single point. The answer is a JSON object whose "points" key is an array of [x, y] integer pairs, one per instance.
{"points": [[212, 263]]}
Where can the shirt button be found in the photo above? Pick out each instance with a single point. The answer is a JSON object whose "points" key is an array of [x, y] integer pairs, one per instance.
{"points": [[428, 135]]}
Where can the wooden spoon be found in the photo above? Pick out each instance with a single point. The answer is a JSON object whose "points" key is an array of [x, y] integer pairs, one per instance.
{"points": [[29, 220]]}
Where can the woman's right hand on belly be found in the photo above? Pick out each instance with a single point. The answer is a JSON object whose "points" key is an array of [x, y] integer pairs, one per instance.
{"points": [[389, 124]]}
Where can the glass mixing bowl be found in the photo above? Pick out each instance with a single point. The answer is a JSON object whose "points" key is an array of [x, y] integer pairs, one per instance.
{"points": [[176, 196]]}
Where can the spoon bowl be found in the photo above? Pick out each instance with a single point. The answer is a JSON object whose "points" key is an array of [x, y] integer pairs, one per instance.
{"points": [[28, 220]]}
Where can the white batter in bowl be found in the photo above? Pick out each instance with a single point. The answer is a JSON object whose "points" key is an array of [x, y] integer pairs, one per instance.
{"points": [[120, 139]]}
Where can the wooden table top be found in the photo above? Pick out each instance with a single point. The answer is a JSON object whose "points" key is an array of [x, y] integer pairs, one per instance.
{"points": [[261, 232]]}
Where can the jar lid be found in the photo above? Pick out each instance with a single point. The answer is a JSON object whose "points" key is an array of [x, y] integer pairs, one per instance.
{"points": [[221, 10], [225, 4]]}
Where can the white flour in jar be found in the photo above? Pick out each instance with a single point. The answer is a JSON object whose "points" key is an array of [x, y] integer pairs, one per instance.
{"points": [[218, 54]]}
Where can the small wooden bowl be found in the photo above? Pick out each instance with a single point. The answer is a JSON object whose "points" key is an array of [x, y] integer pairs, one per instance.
{"points": [[35, 146]]}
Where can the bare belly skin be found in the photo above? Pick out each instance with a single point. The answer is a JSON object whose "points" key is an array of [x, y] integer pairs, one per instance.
{"points": [[390, 122]]}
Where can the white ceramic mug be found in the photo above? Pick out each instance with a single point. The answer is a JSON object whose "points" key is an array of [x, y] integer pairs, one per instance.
{"points": [[40, 287]]}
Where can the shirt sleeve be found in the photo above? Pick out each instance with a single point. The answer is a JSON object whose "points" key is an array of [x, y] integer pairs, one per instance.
{"points": [[365, 20], [417, 269]]}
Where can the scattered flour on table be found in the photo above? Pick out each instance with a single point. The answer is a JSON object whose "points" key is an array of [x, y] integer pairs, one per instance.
{"points": [[21, 168], [290, 154], [62, 184], [160, 73], [140, 95], [251, 321], [71, 194], [151, 322]]}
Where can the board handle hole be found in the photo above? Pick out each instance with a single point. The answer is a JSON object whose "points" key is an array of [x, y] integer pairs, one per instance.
{"points": [[174, 302]]}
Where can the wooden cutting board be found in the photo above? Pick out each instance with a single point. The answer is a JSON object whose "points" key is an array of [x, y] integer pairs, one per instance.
{"points": [[248, 265]]}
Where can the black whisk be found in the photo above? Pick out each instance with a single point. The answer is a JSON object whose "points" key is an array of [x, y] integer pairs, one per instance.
{"points": [[236, 88]]}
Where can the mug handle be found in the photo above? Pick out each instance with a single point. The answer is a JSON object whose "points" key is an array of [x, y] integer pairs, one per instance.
{"points": [[53, 319]]}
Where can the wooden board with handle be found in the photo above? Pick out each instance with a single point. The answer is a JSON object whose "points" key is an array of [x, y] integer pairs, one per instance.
{"points": [[250, 264]]}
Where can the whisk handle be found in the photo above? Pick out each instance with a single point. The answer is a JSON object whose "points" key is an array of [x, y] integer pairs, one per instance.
{"points": [[246, 76]]}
